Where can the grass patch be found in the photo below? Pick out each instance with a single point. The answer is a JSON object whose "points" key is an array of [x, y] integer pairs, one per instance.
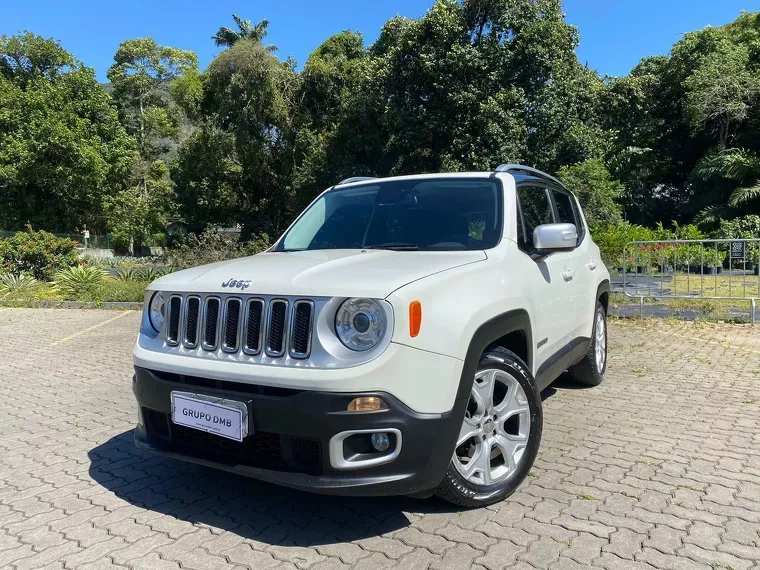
{"points": [[585, 497], [712, 310], [108, 290]]}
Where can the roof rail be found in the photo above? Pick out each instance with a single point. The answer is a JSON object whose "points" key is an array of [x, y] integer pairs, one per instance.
{"points": [[527, 169], [356, 179]]}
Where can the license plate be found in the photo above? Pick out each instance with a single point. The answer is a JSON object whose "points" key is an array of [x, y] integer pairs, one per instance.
{"points": [[225, 418]]}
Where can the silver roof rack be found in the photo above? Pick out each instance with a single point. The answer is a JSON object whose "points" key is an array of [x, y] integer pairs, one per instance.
{"points": [[356, 179], [527, 170]]}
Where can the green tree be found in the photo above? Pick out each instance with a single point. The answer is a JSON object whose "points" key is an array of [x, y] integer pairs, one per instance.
{"points": [[208, 179], [227, 37], [141, 74], [720, 89], [596, 190], [62, 149], [135, 215], [730, 179], [246, 141]]}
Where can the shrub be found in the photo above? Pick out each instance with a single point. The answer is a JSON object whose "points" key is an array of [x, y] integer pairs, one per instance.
{"points": [[256, 245], [80, 281], [213, 246], [150, 274], [40, 254], [612, 238], [126, 274], [121, 292], [746, 227], [13, 285]]}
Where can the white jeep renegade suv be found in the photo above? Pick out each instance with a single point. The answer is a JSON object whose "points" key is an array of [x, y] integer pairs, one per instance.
{"points": [[395, 340]]}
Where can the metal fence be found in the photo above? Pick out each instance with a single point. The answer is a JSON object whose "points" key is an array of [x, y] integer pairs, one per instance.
{"points": [[689, 269]]}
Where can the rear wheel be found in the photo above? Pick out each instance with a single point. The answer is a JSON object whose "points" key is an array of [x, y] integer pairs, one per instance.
{"points": [[500, 433], [590, 371]]}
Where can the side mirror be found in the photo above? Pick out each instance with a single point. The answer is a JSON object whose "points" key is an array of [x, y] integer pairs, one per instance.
{"points": [[555, 237]]}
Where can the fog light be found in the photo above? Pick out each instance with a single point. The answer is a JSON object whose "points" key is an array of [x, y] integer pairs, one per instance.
{"points": [[367, 404], [380, 441]]}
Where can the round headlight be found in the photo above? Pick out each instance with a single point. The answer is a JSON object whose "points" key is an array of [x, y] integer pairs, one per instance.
{"points": [[156, 311], [360, 323]]}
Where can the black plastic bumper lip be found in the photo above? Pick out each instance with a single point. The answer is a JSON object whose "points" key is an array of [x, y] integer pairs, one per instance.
{"points": [[428, 439], [325, 484]]}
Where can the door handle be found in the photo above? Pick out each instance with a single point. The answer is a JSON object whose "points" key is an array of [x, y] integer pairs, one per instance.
{"points": [[568, 274], [592, 265]]}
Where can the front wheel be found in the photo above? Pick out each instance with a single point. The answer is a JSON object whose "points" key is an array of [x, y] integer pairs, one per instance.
{"points": [[500, 434]]}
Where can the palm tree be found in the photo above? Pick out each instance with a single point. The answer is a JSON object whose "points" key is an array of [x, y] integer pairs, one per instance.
{"points": [[227, 36], [723, 170]]}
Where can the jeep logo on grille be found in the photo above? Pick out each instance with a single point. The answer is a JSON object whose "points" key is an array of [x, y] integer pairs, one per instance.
{"points": [[237, 284]]}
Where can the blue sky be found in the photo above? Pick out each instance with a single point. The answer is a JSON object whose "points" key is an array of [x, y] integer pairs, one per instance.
{"points": [[615, 34]]}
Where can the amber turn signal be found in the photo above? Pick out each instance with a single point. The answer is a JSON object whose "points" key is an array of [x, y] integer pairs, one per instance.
{"points": [[415, 318], [367, 404]]}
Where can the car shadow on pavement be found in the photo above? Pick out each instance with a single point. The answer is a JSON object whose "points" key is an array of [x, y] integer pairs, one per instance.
{"points": [[249, 508], [564, 382]]}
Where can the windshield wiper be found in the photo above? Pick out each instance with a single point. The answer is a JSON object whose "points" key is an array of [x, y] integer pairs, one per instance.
{"points": [[394, 246]]}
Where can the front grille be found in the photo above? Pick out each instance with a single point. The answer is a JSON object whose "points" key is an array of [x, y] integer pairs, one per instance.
{"points": [[242, 324], [172, 325], [276, 339], [260, 449], [254, 326], [192, 320], [211, 323], [300, 338], [231, 325]]}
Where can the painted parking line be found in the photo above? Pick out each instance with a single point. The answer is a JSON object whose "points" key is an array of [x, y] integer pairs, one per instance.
{"points": [[93, 327]]}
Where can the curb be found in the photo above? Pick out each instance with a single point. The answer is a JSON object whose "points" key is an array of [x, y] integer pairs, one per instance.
{"points": [[109, 305]]}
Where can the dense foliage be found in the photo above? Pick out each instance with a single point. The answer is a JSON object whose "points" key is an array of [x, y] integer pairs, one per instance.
{"points": [[212, 246], [473, 83], [37, 254], [62, 148]]}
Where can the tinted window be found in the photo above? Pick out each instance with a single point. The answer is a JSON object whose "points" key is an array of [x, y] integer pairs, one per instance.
{"points": [[429, 214], [578, 218], [565, 212], [536, 210]]}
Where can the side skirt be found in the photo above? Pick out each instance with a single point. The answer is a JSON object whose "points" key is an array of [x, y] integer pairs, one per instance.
{"points": [[570, 354]]}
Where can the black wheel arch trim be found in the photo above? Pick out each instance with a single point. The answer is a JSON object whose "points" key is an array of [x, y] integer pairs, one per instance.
{"points": [[487, 334], [604, 287]]}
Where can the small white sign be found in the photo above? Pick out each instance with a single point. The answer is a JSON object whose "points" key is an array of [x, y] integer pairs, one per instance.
{"points": [[224, 421]]}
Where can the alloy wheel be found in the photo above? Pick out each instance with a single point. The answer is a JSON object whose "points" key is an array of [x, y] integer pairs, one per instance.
{"points": [[600, 342], [495, 430]]}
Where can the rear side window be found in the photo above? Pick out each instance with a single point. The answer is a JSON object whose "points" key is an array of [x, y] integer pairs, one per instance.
{"points": [[567, 211], [534, 209]]}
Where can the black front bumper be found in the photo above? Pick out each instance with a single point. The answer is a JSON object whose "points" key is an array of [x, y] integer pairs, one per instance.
{"points": [[289, 435]]}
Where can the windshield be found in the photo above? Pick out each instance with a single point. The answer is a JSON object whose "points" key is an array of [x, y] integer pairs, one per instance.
{"points": [[427, 214]]}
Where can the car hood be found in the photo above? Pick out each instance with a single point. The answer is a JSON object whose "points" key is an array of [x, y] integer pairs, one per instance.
{"points": [[318, 273]]}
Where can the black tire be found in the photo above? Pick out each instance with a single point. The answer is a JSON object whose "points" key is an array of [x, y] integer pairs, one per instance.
{"points": [[586, 372], [455, 488]]}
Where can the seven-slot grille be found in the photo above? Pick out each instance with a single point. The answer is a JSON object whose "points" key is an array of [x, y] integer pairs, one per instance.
{"points": [[251, 325]]}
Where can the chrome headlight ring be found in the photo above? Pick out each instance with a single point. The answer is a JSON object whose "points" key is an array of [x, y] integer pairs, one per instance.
{"points": [[157, 311], [360, 323]]}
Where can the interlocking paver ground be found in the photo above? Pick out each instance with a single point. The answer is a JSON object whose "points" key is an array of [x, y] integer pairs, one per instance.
{"points": [[657, 468]]}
